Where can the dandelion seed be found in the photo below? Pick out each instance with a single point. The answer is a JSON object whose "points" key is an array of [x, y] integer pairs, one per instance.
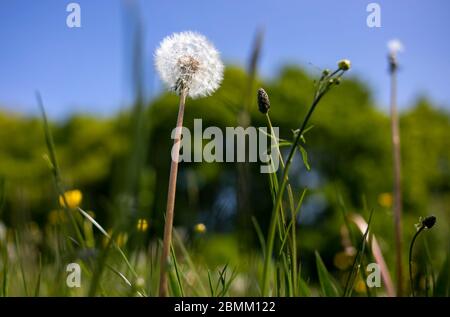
{"points": [[189, 61], [73, 198]]}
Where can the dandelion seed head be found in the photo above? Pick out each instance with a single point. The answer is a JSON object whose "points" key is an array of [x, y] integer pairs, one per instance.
{"points": [[187, 60], [395, 46]]}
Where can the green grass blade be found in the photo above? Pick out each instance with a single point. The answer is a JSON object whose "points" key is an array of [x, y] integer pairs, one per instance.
{"points": [[177, 271], [22, 271], [327, 285], [260, 235], [189, 261], [303, 288], [358, 259], [5, 271], [211, 288], [443, 279], [304, 157], [38, 283]]}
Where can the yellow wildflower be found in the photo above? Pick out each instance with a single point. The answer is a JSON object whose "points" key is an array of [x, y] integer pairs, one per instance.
{"points": [[385, 200], [142, 225], [342, 260], [72, 197], [360, 286], [200, 228]]}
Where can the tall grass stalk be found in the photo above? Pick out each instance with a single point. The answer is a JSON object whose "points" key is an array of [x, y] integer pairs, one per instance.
{"points": [[325, 84], [55, 170], [293, 214]]}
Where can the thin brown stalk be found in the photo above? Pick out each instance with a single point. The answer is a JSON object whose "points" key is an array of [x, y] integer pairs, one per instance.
{"points": [[163, 288], [395, 134]]}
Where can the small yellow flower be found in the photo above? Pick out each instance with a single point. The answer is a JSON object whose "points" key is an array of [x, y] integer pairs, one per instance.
{"points": [[360, 286], [342, 260], [142, 225], [73, 198], [385, 200], [200, 228], [344, 64]]}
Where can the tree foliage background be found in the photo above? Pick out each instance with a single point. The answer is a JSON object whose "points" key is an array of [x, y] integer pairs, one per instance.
{"points": [[349, 152]]}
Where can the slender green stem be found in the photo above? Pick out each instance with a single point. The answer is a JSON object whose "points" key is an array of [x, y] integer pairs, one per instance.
{"points": [[273, 221], [292, 208], [56, 172], [410, 259]]}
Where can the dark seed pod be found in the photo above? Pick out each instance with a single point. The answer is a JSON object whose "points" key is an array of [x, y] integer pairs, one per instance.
{"points": [[263, 101], [429, 222]]}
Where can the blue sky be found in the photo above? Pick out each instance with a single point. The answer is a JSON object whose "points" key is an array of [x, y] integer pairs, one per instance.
{"points": [[87, 69]]}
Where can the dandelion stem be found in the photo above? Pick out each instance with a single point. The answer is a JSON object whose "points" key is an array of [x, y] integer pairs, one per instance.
{"points": [[395, 135], [163, 290]]}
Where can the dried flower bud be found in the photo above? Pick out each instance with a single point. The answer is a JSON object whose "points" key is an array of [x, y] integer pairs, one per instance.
{"points": [[326, 72], [344, 64], [429, 222], [263, 101]]}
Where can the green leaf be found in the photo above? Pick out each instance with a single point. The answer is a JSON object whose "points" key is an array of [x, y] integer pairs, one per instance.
{"points": [[210, 284], [177, 271], [304, 157], [327, 285], [303, 288], [173, 282], [260, 235]]}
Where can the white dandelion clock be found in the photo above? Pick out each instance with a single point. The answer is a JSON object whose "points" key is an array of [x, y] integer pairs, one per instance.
{"points": [[190, 65], [188, 61]]}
